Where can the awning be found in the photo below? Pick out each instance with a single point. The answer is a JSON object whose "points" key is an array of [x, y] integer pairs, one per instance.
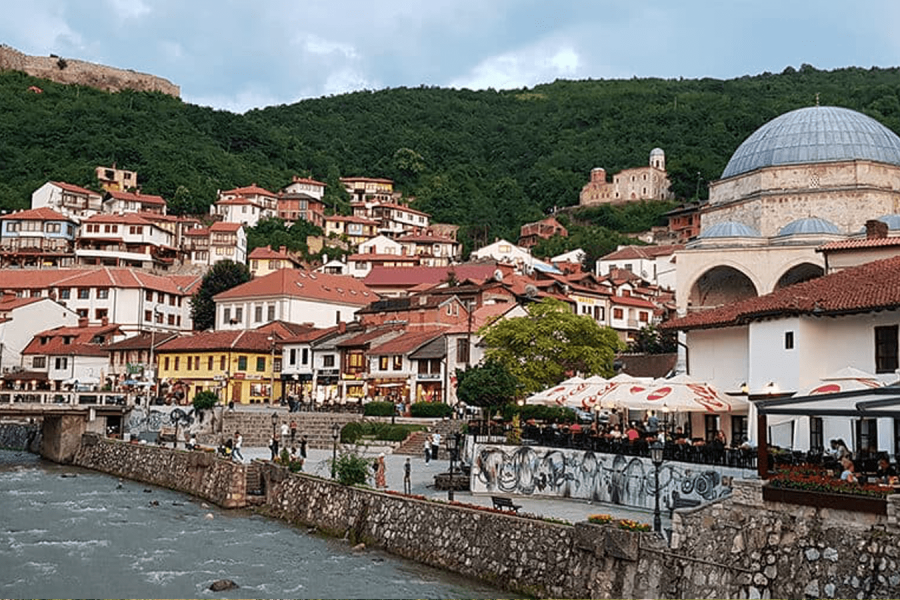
{"points": [[871, 403]]}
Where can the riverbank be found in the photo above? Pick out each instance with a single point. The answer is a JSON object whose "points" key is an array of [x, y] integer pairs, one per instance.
{"points": [[739, 547]]}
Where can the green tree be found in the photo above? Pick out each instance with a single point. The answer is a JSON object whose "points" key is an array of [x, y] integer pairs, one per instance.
{"points": [[224, 275], [650, 340], [204, 400], [487, 385], [550, 344]]}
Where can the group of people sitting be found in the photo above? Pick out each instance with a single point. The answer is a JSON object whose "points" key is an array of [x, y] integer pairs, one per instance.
{"points": [[885, 473]]}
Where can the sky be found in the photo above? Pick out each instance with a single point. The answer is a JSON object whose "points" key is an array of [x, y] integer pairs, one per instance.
{"points": [[237, 55]]}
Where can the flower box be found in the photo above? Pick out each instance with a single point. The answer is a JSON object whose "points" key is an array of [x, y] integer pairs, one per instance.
{"points": [[851, 502]]}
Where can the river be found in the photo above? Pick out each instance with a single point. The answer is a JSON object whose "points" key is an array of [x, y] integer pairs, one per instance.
{"points": [[72, 533]]}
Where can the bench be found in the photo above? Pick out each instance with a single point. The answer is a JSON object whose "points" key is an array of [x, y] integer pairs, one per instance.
{"points": [[503, 503]]}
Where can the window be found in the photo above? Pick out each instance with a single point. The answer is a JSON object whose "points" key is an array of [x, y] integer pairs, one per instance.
{"points": [[148, 296], [39, 362], [148, 315], [270, 312], [102, 293], [61, 362], [598, 313], [242, 363], [383, 363], [64, 293], [84, 293], [618, 313], [304, 356], [257, 314], [101, 313], [788, 340], [292, 356], [260, 363], [190, 363], [177, 361], [738, 429], [226, 315], [886, 349], [239, 314], [462, 351], [711, 425], [328, 361], [816, 436], [222, 363], [166, 363], [209, 363], [866, 437], [82, 313], [398, 363], [643, 317]]}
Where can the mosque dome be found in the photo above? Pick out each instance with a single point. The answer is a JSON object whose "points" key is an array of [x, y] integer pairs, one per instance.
{"points": [[657, 152], [810, 225], [892, 221], [815, 134], [728, 229]]}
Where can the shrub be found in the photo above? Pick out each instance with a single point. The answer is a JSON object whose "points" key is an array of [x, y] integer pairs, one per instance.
{"points": [[539, 412], [430, 410], [352, 469], [204, 400], [379, 409], [351, 432]]}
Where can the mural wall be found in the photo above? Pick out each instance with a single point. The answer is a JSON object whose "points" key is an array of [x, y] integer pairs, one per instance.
{"points": [[609, 478]]}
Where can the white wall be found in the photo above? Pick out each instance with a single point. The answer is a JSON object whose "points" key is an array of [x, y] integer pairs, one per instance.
{"points": [[719, 356], [27, 321]]}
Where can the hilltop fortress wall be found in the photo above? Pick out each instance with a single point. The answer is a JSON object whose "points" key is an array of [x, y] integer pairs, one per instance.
{"points": [[70, 71]]}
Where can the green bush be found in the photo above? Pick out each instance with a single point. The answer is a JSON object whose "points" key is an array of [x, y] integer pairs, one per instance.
{"points": [[205, 399], [352, 469], [351, 432], [539, 412], [430, 410], [379, 409]]}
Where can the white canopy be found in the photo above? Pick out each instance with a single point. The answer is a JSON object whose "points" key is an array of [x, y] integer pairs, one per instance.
{"points": [[680, 393]]}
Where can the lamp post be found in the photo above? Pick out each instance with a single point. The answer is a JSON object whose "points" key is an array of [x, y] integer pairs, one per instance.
{"points": [[335, 434], [453, 450], [656, 457], [274, 423]]}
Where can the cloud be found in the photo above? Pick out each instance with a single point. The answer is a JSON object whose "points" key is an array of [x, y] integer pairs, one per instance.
{"points": [[523, 68], [129, 9]]}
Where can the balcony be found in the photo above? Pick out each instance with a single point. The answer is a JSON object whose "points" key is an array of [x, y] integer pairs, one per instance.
{"points": [[428, 376]]}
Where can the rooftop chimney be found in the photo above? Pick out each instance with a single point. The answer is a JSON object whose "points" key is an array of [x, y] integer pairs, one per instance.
{"points": [[82, 322], [876, 229]]}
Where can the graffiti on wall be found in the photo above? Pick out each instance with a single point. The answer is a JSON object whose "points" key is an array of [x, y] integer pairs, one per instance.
{"points": [[609, 478]]}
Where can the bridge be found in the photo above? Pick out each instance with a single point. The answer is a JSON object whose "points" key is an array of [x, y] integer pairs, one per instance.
{"points": [[64, 417]]}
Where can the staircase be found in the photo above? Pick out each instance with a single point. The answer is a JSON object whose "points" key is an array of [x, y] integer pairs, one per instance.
{"points": [[414, 445], [256, 426]]}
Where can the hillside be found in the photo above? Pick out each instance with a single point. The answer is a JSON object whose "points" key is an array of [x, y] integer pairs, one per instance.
{"points": [[487, 160]]}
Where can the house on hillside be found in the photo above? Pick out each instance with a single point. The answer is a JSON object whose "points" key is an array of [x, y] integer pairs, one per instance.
{"points": [[71, 200], [532, 233], [265, 260], [116, 202], [126, 240], [394, 373], [71, 357], [432, 250], [380, 251], [655, 264], [356, 229], [788, 341], [40, 237], [20, 320]]}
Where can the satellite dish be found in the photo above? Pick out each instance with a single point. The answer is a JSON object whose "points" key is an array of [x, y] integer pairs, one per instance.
{"points": [[498, 275], [530, 291]]}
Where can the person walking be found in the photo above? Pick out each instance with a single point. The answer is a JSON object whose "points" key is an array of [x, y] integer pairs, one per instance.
{"points": [[293, 430], [407, 470], [236, 449], [427, 449], [435, 444], [380, 481], [303, 447], [284, 432], [273, 446]]}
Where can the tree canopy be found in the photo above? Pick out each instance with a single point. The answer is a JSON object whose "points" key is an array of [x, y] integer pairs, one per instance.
{"points": [[550, 344], [486, 385], [223, 275]]}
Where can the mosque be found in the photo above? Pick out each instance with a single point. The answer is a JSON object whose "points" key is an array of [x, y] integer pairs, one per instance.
{"points": [[808, 177]]}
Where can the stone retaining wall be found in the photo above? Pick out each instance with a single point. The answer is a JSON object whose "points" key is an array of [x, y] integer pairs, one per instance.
{"points": [[200, 474], [20, 436]]}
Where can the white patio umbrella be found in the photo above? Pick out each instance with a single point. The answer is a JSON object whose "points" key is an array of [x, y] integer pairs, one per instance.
{"points": [[620, 389], [557, 394], [680, 393], [845, 380]]}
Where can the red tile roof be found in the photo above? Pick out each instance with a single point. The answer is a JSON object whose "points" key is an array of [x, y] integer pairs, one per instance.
{"points": [[412, 276], [127, 219], [869, 287], [369, 257], [223, 226], [250, 189], [141, 341], [644, 252], [239, 201], [204, 341], [37, 214], [75, 189], [264, 252], [631, 301], [53, 341], [8, 303], [859, 243], [427, 239], [15, 279], [142, 198], [311, 335], [294, 283], [307, 180], [346, 180], [364, 338], [405, 343]]}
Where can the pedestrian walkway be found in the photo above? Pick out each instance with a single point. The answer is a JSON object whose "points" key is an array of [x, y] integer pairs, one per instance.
{"points": [[422, 483]]}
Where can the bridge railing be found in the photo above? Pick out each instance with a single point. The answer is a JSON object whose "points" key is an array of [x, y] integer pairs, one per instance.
{"points": [[71, 398]]}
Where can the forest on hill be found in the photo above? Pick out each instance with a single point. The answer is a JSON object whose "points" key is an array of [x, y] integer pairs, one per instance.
{"points": [[488, 161]]}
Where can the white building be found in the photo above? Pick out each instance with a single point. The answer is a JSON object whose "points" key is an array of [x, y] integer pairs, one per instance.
{"points": [[655, 264], [71, 200], [20, 320], [293, 296], [72, 356]]}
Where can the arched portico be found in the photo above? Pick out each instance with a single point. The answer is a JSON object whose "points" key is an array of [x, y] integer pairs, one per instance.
{"points": [[720, 285], [798, 274]]}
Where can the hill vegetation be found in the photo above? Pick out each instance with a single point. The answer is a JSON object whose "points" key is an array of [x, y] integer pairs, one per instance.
{"points": [[488, 161]]}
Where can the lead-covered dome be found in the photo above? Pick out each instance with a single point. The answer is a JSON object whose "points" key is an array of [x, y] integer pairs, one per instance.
{"points": [[815, 134], [728, 229], [810, 225]]}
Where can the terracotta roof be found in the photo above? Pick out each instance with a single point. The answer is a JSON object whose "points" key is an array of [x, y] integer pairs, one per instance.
{"points": [[427, 239], [75, 189], [37, 214], [483, 315], [141, 341], [868, 287], [267, 252], [311, 335], [13, 302], [307, 180], [407, 342], [366, 179], [642, 252], [367, 257], [142, 198], [345, 219], [631, 301], [859, 243], [410, 276], [294, 283], [240, 339], [366, 337], [80, 341], [127, 219], [22, 279], [401, 207], [223, 226], [239, 201], [250, 189]]}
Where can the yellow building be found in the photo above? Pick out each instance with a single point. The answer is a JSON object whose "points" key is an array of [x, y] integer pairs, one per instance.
{"points": [[240, 366]]}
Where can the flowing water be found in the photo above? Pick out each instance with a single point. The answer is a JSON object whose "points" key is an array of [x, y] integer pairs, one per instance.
{"points": [[72, 533]]}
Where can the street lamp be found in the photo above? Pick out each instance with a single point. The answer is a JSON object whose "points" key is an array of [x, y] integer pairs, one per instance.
{"points": [[274, 423], [656, 457], [335, 434], [272, 371], [452, 450]]}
